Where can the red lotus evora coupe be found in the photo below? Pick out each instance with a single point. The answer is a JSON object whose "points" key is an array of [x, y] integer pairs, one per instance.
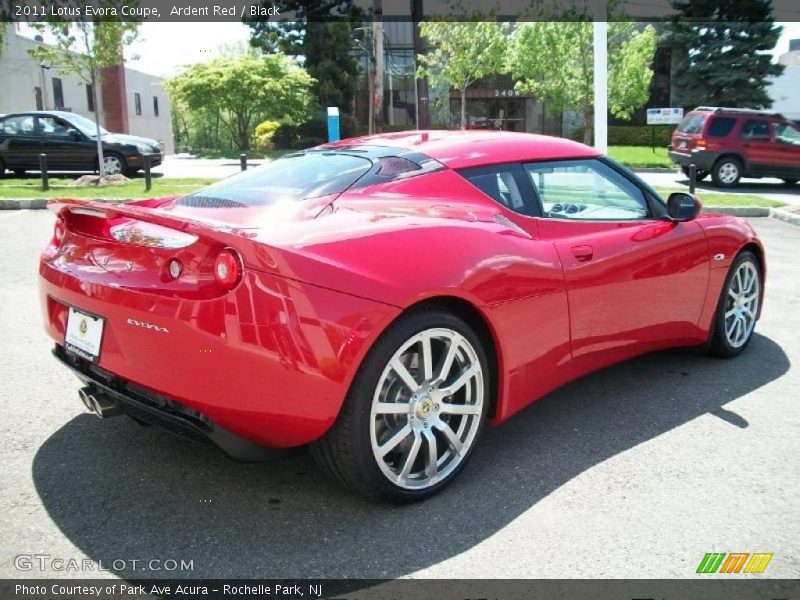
{"points": [[381, 298]]}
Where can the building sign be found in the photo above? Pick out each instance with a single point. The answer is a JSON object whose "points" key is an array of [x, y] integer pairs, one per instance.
{"points": [[664, 116]]}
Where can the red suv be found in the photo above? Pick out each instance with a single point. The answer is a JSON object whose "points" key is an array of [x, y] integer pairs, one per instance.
{"points": [[731, 143]]}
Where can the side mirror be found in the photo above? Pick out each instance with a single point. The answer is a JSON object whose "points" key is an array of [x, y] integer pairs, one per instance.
{"points": [[683, 207], [74, 134]]}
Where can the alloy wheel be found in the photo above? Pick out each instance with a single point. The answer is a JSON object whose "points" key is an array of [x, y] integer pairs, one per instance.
{"points": [[741, 304], [112, 165], [427, 408], [728, 172]]}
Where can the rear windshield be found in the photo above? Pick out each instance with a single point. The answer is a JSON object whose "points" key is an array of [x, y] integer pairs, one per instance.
{"points": [[692, 124], [296, 177]]}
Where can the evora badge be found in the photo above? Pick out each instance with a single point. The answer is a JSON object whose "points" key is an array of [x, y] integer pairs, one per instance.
{"points": [[150, 326]]}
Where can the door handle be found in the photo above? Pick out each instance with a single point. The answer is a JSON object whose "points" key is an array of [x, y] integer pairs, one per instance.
{"points": [[583, 253]]}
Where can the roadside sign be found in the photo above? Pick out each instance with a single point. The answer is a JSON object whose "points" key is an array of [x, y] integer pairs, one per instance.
{"points": [[664, 116]]}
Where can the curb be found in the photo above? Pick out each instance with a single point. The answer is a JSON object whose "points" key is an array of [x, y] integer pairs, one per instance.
{"points": [[785, 215]]}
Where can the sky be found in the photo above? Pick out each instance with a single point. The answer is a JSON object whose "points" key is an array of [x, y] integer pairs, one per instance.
{"points": [[163, 48]]}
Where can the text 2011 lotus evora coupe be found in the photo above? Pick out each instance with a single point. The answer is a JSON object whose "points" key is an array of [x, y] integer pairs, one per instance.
{"points": [[381, 298]]}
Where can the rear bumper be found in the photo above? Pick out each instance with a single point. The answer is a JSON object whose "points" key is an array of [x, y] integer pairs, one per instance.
{"points": [[703, 159], [270, 362]]}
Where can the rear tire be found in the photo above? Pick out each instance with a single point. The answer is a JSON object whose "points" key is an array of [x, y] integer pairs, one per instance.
{"points": [[791, 181], [19, 172], [727, 172], [2, 168], [403, 435], [699, 175], [737, 308]]}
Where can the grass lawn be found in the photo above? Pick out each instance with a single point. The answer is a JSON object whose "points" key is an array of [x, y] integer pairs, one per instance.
{"points": [[641, 156], [235, 154], [31, 187], [712, 199]]}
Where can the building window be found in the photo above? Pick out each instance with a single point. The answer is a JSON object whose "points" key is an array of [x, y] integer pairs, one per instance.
{"points": [[155, 105], [137, 102], [37, 95], [58, 93], [90, 97]]}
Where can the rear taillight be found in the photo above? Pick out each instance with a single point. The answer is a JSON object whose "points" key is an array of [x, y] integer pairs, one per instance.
{"points": [[59, 230], [701, 143], [227, 268]]}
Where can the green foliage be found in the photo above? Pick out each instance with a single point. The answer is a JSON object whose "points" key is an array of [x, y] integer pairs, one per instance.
{"points": [[238, 92], [461, 53], [264, 132], [721, 52], [311, 133], [633, 135], [323, 34], [554, 60]]}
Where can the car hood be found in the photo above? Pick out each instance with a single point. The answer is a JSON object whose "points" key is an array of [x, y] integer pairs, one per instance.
{"points": [[125, 139]]}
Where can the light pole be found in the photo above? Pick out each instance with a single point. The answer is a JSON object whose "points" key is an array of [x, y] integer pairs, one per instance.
{"points": [[600, 46], [42, 68]]}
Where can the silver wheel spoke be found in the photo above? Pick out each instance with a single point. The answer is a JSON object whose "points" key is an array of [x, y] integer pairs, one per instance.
{"points": [[391, 408], [461, 409], [427, 357], [452, 438], [404, 375], [411, 457], [463, 377], [447, 364], [392, 442], [730, 312], [431, 466]]}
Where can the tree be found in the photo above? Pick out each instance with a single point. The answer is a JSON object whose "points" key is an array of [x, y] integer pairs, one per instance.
{"points": [[720, 52], [242, 91], [461, 53], [323, 34], [554, 60], [84, 48]]}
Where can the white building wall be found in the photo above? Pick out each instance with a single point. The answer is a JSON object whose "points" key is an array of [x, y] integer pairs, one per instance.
{"points": [[148, 124], [20, 75]]}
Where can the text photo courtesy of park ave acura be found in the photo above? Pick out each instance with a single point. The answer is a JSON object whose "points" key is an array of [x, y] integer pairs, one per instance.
{"points": [[412, 299]]}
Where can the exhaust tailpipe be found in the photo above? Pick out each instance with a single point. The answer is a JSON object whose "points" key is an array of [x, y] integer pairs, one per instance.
{"points": [[98, 403]]}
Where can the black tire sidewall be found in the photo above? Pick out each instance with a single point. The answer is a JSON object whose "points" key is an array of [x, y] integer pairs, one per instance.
{"points": [[719, 344], [361, 393]]}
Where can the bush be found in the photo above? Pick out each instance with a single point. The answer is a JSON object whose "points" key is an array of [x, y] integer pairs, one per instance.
{"points": [[310, 133], [630, 135], [264, 132]]}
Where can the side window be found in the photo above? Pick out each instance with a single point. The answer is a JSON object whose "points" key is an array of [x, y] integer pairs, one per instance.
{"points": [[786, 133], [52, 127], [586, 189], [501, 183], [720, 126], [22, 125], [755, 129]]}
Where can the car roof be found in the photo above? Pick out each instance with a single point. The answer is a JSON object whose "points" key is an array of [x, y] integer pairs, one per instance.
{"points": [[461, 149], [47, 113]]}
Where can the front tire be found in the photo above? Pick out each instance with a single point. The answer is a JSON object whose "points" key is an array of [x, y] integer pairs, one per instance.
{"points": [[791, 181], [414, 412], [737, 308], [727, 172], [699, 175], [114, 164]]}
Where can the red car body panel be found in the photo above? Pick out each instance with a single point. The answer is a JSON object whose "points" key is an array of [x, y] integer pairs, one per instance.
{"points": [[273, 358]]}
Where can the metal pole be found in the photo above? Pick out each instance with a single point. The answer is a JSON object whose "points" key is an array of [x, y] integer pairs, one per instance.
{"points": [[43, 169], [600, 39], [148, 180], [692, 177], [243, 161]]}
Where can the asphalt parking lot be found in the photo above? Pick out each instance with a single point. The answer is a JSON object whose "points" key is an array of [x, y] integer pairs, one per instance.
{"points": [[636, 471]]}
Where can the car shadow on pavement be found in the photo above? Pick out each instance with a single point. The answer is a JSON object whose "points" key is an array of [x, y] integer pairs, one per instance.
{"points": [[121, 491]]}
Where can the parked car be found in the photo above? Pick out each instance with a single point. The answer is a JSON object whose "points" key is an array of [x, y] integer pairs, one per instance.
{"points": [[381, 299], [731, 143], [70, 142]]}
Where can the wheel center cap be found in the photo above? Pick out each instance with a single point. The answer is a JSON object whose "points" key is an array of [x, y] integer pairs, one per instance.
{"points": [[425, 408]]}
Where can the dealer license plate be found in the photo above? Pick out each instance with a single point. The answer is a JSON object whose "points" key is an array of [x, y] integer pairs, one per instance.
{"points": [[84, 334]]}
